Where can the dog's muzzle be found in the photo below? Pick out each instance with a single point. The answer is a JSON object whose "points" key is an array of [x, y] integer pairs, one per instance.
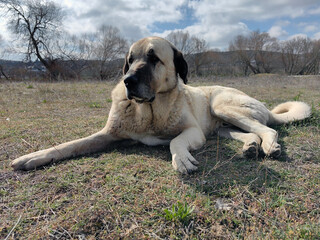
{"points": [[136, 90]]}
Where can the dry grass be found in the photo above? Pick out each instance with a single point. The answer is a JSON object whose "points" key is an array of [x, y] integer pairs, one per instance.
{"points": [[122, 193]]}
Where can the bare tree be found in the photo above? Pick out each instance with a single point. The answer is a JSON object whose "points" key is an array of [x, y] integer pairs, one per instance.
{"points": [[193, 48], [182, 40], [201, 55], [255, 51], [92, 53], [107, 45], [309, 58], [239, 45], [263, 47], [291, 54], [36, 23], [2, 53], [75, 53], [312, 59], [301, 56]]}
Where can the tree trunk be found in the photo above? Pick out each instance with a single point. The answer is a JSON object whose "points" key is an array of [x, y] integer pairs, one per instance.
{"points": [[2, 72]]}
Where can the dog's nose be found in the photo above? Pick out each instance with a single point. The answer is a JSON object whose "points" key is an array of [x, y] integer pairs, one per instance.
{"points": [[130, 81]]}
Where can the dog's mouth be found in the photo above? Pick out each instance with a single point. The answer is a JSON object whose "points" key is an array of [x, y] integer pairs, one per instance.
{"points": [[139, 99], [144, 100]]}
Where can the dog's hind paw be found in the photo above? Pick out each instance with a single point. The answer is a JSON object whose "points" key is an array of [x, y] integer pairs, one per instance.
{"points": [[251, 150], [275, 152]]}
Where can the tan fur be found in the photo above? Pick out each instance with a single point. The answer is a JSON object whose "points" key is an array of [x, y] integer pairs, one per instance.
{"points": [[152, 105]]}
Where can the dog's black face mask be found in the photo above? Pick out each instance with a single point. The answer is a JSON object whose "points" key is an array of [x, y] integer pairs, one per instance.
{"points": [[146, 74], [138, 90], [138, 76]]}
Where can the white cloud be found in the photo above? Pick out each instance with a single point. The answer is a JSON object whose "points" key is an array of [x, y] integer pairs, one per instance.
{"points": [[310, 28], [315, 11], [230, 10], [299, 35], [316, 36], [277, 32], [220, 21], [133, 18], [3, 30], [215, 21], [283, 23], [218, 36]]}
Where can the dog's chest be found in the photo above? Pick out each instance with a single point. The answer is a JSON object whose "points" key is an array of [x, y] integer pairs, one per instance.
{"points": [[167, 123], [145, 123]]}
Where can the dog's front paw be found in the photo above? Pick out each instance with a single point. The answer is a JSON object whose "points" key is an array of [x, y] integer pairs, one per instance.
{"points": [[31, 161], [184, 163]]}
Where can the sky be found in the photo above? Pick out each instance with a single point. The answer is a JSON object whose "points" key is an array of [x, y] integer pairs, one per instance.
{"points": [[216, 21]]}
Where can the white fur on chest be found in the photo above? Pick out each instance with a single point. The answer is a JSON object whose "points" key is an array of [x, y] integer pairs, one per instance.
{"points": [[149, 139]]}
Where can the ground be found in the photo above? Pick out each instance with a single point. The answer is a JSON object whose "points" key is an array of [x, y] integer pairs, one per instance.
{"points": [[132, 192]]}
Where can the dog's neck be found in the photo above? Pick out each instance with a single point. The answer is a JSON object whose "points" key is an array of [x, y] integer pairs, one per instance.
{"points": [[178, 84], [165, 100], [170, 89]]}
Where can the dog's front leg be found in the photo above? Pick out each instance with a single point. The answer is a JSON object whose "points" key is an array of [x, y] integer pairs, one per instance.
{"points": [[190, 139], [94, 143]]}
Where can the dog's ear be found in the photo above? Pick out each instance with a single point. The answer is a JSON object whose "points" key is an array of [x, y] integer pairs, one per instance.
{"points": [[126, 65], [180, 65]]}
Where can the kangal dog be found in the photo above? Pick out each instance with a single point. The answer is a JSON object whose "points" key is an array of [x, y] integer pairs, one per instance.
{"points": [[151, 104]]}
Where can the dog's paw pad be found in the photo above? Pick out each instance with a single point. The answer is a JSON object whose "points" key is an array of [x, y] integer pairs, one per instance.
{"points": [[251, 150], [276, 152]]}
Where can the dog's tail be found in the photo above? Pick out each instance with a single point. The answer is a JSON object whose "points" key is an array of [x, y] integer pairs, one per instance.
{"points": [[288, 112]]}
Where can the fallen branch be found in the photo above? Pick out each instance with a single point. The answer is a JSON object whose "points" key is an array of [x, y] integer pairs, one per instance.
{"points": [[13, 228]]}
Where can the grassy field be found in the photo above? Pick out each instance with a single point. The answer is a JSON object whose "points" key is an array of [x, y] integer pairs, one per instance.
{"points": [[132, 192]]}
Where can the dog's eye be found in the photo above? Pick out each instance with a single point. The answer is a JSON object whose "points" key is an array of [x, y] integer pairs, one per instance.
{"points": [[153, 59], [130, 60]]}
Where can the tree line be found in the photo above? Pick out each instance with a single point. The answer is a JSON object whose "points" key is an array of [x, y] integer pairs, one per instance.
{"points": [[260, 53], [37, 25]]}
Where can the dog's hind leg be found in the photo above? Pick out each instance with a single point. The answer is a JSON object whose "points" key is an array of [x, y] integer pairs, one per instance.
{"points": [[243, 119], [251, 141]]}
